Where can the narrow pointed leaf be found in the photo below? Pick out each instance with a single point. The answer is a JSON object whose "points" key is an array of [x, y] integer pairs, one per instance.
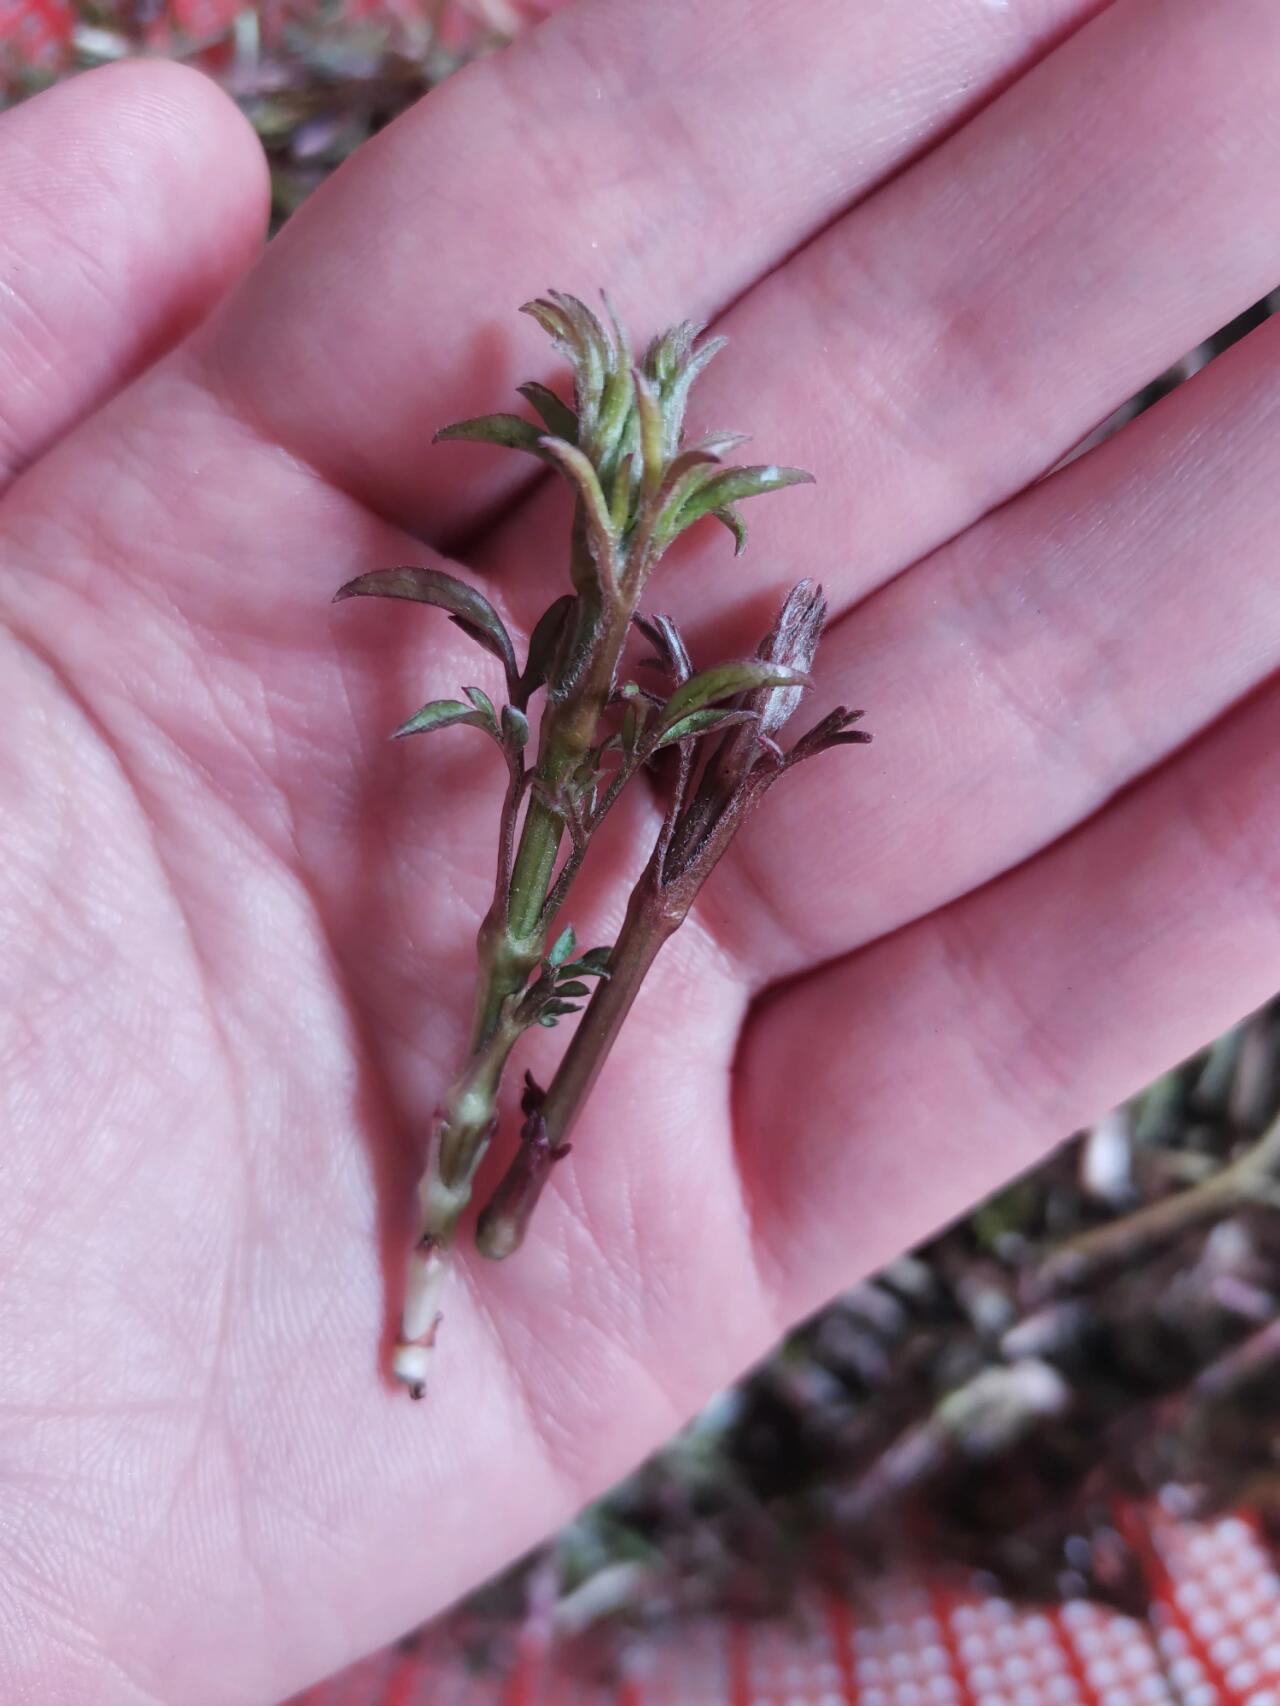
{"points": [[484, 705], [564, 945], [585, 343], [729, 517], [594, 963], [675, 392], [617, 404], [687, 473], [512, 432], [555, 413], [600, 536], [660, 518], [620, 504], [467, 609], [572, 990], [544, 643], [719, 444], [555, 324], [586, 325], [621, 342], [726, 681], [439, 714], [669, 351], [734, 484], [703, 723], [652, 451]]}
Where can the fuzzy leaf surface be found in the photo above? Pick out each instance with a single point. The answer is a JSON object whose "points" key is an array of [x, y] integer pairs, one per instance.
{"points": [[599, 523], [563, 946], [702, 723], [467, 609], [558, 418], [512, 432], [716, 491], [726, 681], [544, 642], [440, 714]]}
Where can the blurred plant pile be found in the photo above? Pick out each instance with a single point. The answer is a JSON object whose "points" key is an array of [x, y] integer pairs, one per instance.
{"points": [[315, 77], [1104, 1332]]}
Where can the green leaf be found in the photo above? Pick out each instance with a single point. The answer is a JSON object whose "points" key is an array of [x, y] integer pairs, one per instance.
{"points": [[616, 414], [726, 681], [620, 503], [729, 517], [557, 1008], [594, 963], [719, 444], [572, 988], [564, 945], [675, 364], [729, 486], [600, 535], [515, 729], [668, 352], [439, 714], [685, 474], [702, 723], [652, 450], [543, 645], [556, 415], [468, 609], [484, 705], [617, 429], [512, 432], [576, 332]]}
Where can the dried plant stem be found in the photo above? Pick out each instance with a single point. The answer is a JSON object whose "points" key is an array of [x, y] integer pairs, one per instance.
{"points": [[1253, 1178], [699, 824], [650, 922], [654, 914]]}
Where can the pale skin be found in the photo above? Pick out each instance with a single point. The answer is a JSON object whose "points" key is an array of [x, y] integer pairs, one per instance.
{"points": [[236, 926]]}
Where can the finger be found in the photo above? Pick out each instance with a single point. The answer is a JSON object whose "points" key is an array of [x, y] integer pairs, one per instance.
{"points": [[129, 200], [955, 335], [909, 1080], [671, 152], [1019, 678]]}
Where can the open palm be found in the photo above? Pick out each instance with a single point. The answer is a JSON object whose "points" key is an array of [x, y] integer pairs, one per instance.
{"points": [[235, 926]]}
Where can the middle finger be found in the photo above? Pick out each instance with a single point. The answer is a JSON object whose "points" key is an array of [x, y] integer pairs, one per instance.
{"points": [[950, 339]]}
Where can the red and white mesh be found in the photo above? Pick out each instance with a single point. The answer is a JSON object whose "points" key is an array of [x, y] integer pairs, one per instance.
{"points": [[1213, 1640]]}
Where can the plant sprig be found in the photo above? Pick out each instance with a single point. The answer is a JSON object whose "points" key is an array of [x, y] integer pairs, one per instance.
{"points": [[638, 484]]}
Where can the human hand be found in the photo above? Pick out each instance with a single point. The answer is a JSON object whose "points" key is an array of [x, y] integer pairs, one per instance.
{"points": [[235, 923]]}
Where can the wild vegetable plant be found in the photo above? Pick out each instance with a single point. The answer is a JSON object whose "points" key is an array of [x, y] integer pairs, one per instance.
{"points": [[638, 484]]}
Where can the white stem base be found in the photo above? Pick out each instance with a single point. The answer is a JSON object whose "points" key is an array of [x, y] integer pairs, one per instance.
{"points": [[424, 1289]]}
